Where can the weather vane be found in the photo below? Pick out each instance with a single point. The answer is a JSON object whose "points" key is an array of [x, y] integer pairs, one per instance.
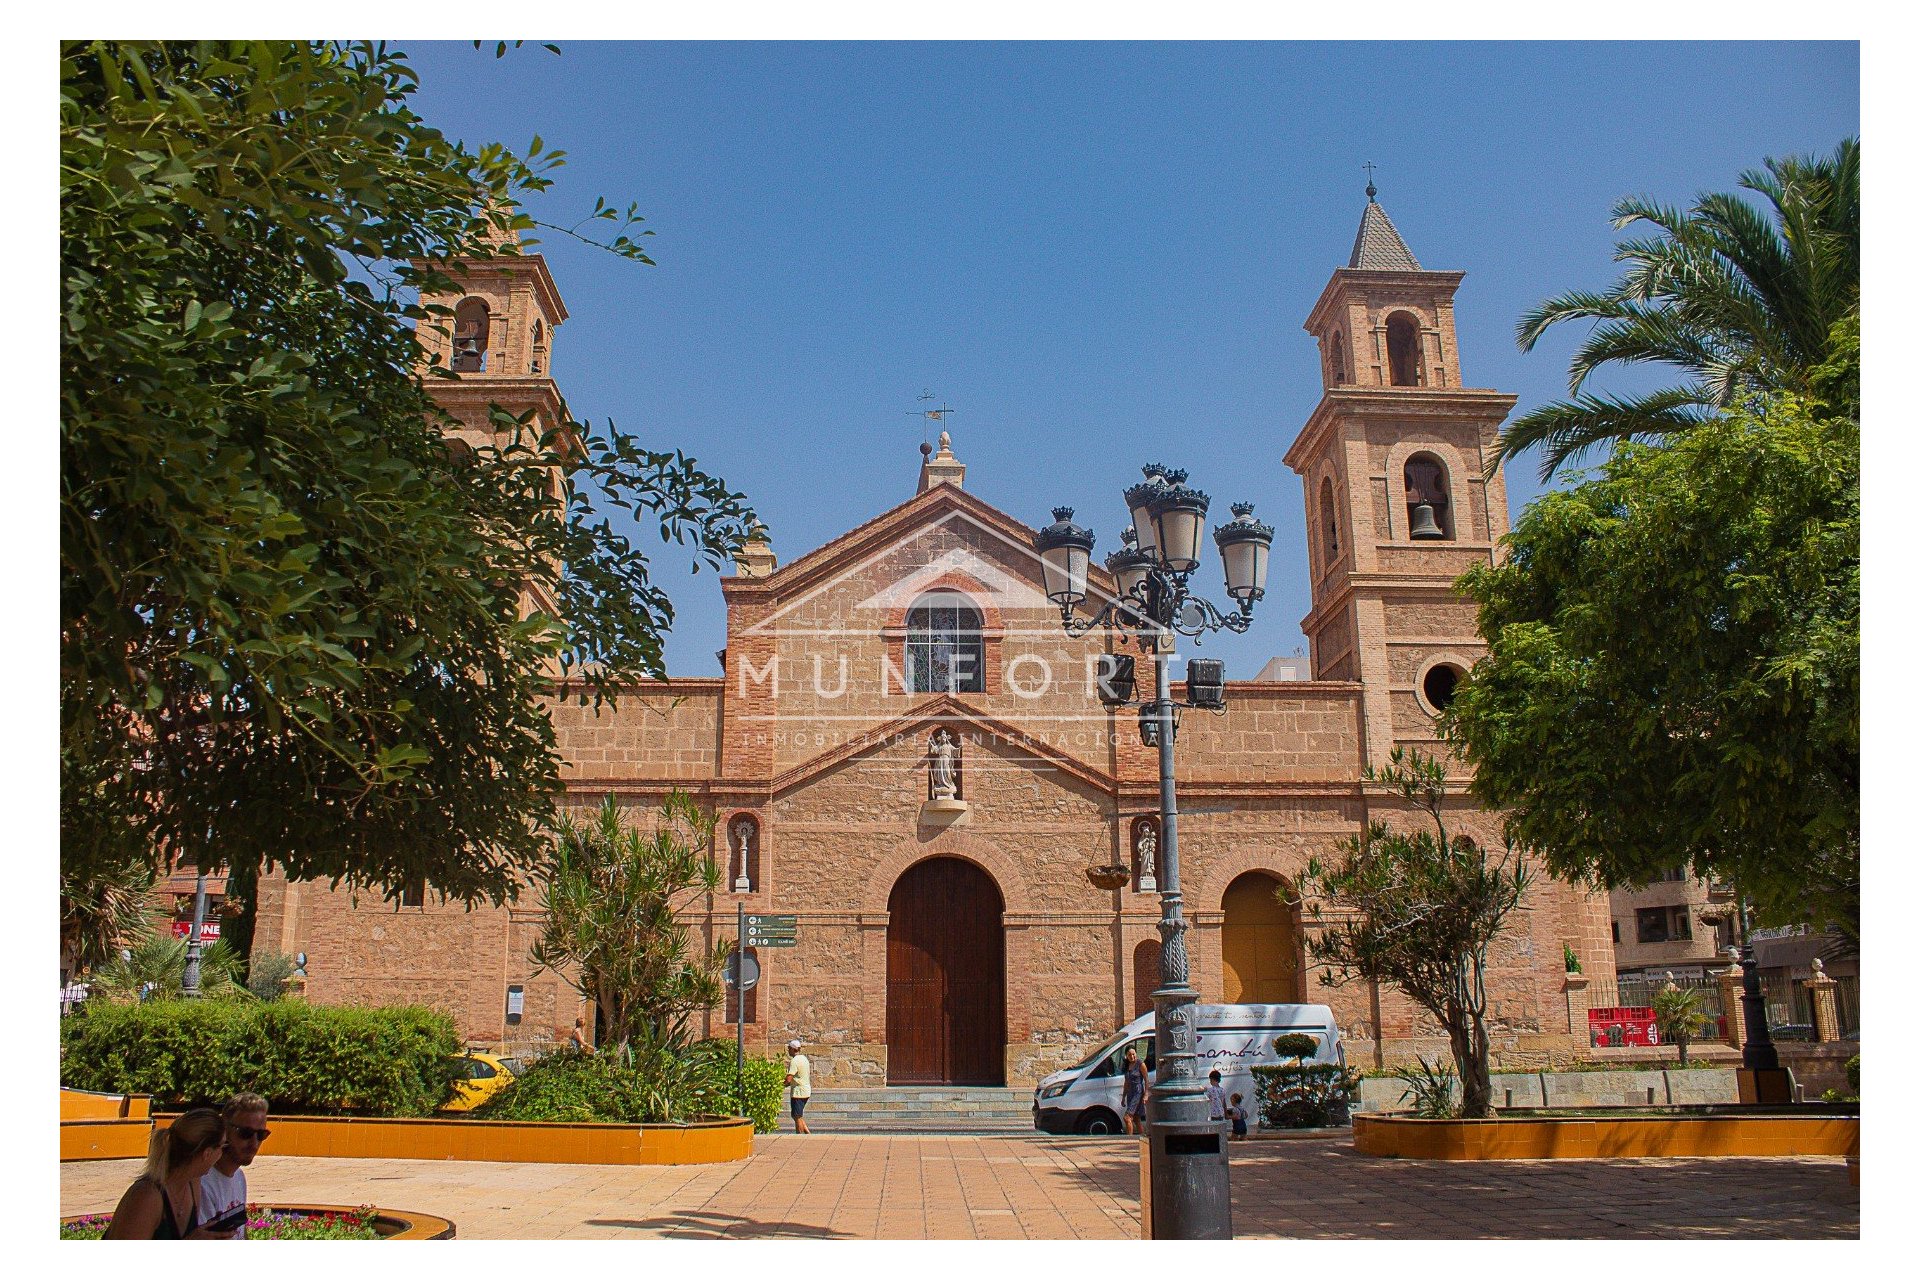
{"points": [[927, 415], [1371, 193]]}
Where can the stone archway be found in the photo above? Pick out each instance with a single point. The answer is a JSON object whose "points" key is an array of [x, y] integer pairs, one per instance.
{"points": [[946, 976], [1259, 943]]}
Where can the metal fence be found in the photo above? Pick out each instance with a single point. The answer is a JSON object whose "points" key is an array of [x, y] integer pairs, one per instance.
{"points": [[1788, 1002]]}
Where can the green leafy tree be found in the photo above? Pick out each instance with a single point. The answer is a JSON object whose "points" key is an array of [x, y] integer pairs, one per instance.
{"points": [[1419, 910], [612, 895], [1738, 299], [292, 620], [1676, 1012], [1673, 667]]}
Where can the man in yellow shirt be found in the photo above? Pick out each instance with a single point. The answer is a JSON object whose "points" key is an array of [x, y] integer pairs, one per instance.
{"points": [[800, 1080]]}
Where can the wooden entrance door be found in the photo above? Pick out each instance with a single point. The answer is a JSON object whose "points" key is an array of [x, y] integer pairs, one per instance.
{"points": [[1258, 943], [946, 976]]}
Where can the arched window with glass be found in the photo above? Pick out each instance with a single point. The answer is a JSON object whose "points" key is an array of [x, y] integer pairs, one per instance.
{"points": [[945, 652]]}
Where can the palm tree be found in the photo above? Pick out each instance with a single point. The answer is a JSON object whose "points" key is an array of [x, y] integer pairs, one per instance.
{"points": [[1740, 300]]}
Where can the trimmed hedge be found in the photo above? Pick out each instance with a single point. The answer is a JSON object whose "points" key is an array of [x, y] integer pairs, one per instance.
{"points": [[615, 1087], [304, 1059]]}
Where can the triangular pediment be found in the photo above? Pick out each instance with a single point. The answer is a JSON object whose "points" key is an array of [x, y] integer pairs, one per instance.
{"points": [[994, 557]]}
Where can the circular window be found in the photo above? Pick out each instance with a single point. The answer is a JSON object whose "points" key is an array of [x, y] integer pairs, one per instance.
{"points": [[1438, 685]]}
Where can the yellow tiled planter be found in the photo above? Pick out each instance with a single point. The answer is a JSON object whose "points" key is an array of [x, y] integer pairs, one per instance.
{"points": [[513, 1141], [1601, 1137], [392, 1224]]}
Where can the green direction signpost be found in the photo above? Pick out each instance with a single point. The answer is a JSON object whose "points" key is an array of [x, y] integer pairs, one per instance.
{"points": [[772, 931]]}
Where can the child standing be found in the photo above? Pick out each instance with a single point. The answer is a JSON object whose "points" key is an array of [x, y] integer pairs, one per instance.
{"points": [[1238, 1114]]}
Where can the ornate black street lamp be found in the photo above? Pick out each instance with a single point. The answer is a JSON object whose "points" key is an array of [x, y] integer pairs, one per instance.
{"points": [[1187, 1179]]}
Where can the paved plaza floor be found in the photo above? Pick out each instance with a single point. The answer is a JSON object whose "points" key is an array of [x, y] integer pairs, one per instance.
{"points": [[993, 1188]]}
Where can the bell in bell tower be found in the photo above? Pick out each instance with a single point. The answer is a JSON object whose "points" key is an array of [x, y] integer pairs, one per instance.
{"points": [[1392, 462]]}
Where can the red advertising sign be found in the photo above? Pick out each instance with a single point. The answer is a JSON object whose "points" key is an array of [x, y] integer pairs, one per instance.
{"points": [[209, 931], [1622, 1025]]}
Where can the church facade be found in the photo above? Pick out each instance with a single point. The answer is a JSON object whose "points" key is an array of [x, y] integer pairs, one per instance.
{"points": [[905, 752]]}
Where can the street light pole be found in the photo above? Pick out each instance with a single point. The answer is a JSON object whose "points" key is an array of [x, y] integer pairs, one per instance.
{"points": [[1185, 1185]]}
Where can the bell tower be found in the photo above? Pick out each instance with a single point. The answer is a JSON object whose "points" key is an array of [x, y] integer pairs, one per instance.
{"points": [[1392, 461], [498, 344], [499, 340]]}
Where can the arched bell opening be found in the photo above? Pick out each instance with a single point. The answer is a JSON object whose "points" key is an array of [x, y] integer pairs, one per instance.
{"points": [[1429, 504]]}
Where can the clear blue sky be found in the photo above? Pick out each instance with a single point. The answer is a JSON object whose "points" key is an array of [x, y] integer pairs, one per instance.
{"points": [[1098, 254]]}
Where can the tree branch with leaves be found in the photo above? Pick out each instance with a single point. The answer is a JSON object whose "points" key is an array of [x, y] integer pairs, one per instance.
{"points": [[1419, 910]]}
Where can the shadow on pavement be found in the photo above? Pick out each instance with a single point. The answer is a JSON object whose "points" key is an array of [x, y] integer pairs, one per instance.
{"points": [[710, 1226]]}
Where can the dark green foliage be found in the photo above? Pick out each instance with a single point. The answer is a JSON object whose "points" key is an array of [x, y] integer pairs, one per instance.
{"points": [[1673, 666], [1853, 1073], [1295, 1044], [267, 974], [766, 1085], [1304, 1095], [1430, 1088], [613, 897], [1420, 910], [304, 1059], [290, 620], [1572, 960], [638, 1083], [1743, 301]]}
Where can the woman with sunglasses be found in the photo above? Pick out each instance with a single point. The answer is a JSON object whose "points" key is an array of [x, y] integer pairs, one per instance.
{"points": [[164, 1202]]}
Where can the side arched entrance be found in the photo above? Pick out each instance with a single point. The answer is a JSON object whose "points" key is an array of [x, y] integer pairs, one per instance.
{"points": [[1259, 943], [946, 976]]}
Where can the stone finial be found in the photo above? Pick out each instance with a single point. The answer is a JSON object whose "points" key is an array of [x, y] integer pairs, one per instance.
{"points": [[942, 467], [755, 559], [1819, 968]]}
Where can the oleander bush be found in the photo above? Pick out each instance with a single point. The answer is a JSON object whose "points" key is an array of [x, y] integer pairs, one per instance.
{"points": [[304, 1059], [643, 1082]]}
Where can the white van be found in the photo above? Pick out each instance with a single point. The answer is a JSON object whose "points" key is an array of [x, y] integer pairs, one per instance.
{"points": [[1234, 1038]]}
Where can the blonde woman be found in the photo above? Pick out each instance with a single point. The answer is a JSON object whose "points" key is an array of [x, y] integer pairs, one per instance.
{"points": [[164, 1202]]}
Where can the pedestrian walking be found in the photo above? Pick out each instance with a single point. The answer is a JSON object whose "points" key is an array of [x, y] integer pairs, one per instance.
{"points": [[1238, 1114], [800, 1081], [577, 1038], [1133, 1092], [1216, 1098]]}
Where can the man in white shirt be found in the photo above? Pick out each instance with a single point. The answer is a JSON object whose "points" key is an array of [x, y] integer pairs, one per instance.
{"points": [[224, 1186], [800, 1080]]}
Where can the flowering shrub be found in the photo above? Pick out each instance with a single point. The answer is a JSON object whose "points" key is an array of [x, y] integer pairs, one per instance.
{"points": [[273, 1224], [263, 1224]]}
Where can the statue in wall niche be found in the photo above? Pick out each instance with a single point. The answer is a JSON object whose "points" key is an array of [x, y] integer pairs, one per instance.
{"points": [[744, 831], [943, 762], [1147, 845]]}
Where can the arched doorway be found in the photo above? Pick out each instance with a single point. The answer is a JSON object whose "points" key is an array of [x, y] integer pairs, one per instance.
{"points": [[1146, 975], [946, 976], [1259, 944]]}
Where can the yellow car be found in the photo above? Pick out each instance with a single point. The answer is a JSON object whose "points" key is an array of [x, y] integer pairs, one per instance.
{"points": [[478, 1077]]}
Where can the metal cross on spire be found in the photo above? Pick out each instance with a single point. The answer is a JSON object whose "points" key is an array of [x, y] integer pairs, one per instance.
{"points": [[1371, 193], [927, 415]]}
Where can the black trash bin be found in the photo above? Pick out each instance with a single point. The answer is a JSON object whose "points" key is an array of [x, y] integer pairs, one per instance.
{"points": [[1184, 1192]]}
